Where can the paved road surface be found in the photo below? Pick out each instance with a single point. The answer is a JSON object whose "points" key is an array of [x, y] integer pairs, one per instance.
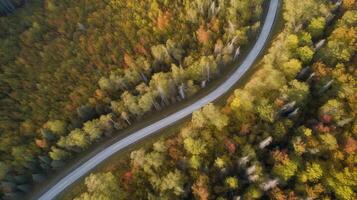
{"points": [[87, 166]]}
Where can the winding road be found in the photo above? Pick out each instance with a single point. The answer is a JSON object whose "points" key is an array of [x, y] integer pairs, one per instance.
{"points": [[53, 191]]}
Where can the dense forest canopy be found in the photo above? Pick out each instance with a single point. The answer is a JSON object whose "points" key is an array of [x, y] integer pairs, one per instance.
{"points": [[73, 72], [9, 6], [290, 133]]}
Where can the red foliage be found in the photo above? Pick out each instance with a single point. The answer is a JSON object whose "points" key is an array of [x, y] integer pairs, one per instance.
{"points": [[174, 151], [163, 20], [231, 147], [320, 128], [326, 118], [128, 60], [140, 49], [127, 178], [203, 35], [351, 145]]}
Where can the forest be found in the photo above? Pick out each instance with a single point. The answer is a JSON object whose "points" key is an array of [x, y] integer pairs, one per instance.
{"points": [[74, 73], [290, 133]]}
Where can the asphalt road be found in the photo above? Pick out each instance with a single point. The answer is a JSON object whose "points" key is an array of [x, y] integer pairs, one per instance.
{"points": [[88, 165]]}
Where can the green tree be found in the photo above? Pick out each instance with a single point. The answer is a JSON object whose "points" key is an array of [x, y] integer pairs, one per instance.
{"points": [[178, 74], [341, 44], [312, 173], [174, 182], [152, 162], [305, 39], [266, 111], [22, 156], [298, 12], [161, 54], [342, 183], [165, 86], [56, 126], [58, 154], [195, 162], [204, 69], [220, 162], [137, 157], [231, 182], [329, 141], [160, 146], [76, 138], [3, 170], [209, 115], [291, 68], [292, 42], [316, 27], [131, 103], [285, 170], [147, 101], [107, 84], [102, 186], [295, 91], [305, 54], [195, 146], [92, 129], [253, 192], [348, 19], [334, 108]]}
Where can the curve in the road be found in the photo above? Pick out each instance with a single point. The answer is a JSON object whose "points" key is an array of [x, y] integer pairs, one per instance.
{"points": [[87, 166]]}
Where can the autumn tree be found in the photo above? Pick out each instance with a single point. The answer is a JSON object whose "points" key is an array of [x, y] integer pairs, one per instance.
{"points": [[102, 186]]}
